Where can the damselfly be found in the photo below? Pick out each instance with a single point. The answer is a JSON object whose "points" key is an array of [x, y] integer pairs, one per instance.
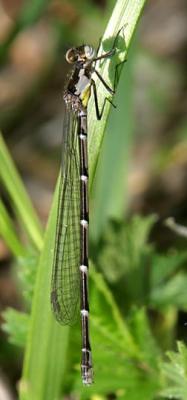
{"points": [[70, 265]]}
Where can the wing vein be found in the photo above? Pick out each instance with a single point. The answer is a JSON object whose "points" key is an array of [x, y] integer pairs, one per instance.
{"points": [[65, 272]]}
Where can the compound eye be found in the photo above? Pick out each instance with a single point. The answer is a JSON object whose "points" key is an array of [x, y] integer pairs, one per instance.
{"points": [[71, 56], [89, 52]]}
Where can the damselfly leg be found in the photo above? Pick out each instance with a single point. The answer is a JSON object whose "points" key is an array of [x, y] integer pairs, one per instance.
{"points": [[109, 89]]}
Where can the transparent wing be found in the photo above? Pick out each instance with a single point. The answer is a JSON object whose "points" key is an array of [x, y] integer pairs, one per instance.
{"points": [[65, 276]]}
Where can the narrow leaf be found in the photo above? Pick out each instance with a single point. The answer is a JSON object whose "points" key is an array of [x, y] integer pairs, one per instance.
{"points": [[8, 233], [20, 199]]}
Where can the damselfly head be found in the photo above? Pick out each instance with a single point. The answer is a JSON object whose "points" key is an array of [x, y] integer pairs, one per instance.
{"points": [[81, 53], [89, 52]]}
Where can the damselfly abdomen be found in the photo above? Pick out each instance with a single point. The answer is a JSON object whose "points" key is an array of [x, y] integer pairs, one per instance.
{"points": [[70, 265]]}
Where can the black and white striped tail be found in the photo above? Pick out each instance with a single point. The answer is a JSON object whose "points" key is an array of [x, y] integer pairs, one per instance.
{"points": [[86, 362]]}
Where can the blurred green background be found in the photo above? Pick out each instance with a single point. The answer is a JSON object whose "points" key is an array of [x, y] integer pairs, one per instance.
{"points": [[139, 292]]}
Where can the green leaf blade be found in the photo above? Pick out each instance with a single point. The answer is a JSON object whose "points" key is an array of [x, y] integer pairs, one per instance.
{"points": [[19, 197]]}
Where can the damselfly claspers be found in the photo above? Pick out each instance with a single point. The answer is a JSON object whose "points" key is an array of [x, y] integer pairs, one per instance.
{"points": [[70, 263]]}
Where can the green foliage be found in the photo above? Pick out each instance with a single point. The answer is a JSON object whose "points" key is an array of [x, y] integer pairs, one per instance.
{"points": [[148, 277], [26, 272], [16, 326], [8, 232], [172, 293], [20, 199], [47, 340], [111, 183], [175, 374], [137, 286], [124, 346], [126, 356], [124, 365], [126, 14], [124, 247]]}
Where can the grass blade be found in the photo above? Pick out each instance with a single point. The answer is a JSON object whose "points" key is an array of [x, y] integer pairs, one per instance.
{"points": [[45, 356], [19, 196], [8, 233], [125, 14], [110, 194]]}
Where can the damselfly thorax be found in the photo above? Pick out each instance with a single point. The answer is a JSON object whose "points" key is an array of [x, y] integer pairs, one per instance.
{"points": [[78, 89]]}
